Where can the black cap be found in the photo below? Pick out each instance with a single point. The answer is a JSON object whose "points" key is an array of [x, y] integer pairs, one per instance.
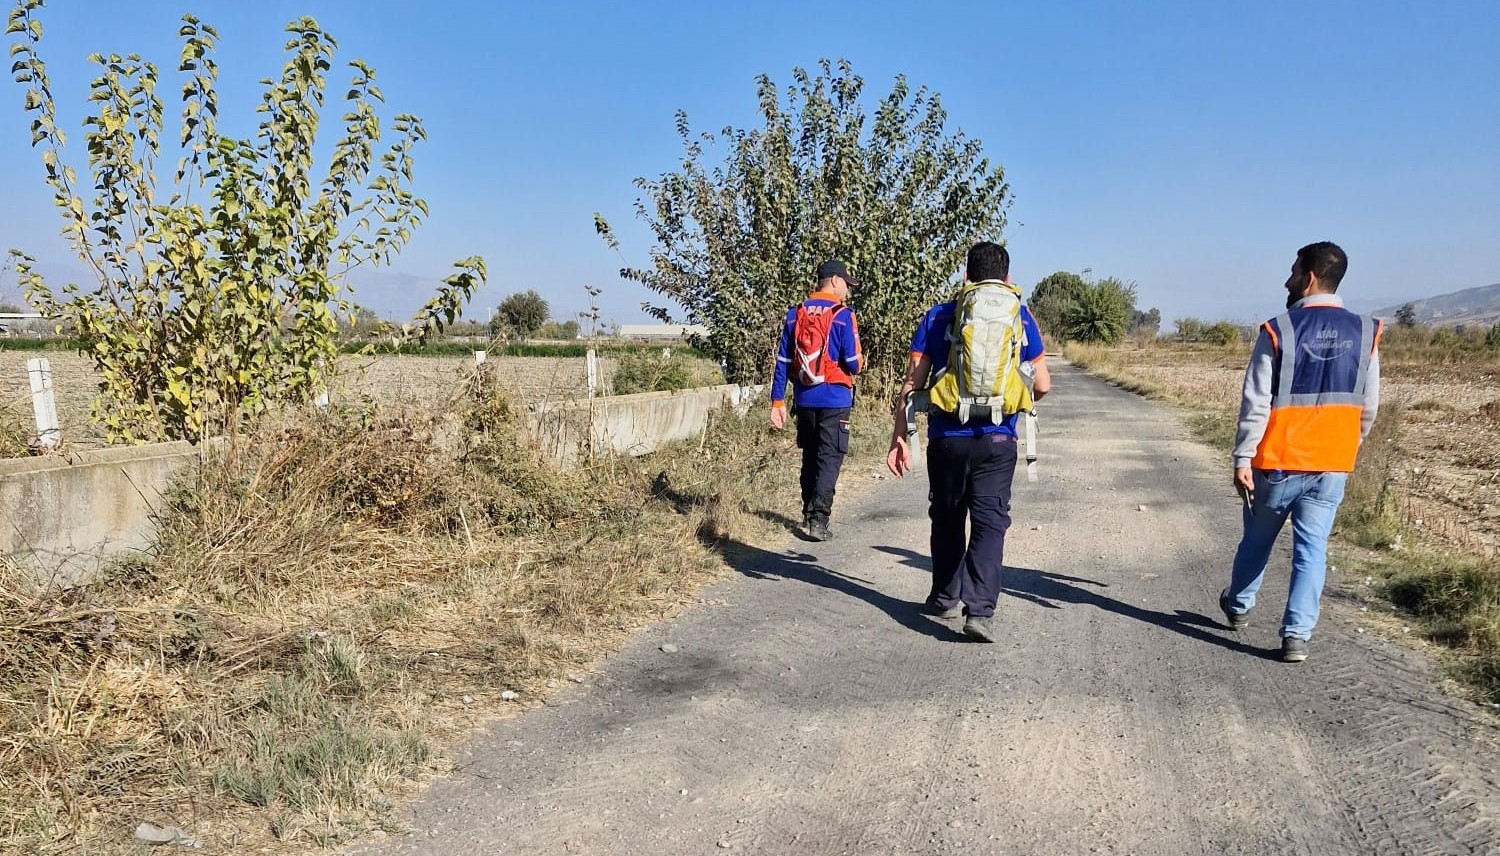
{"points": [[834, 267]]}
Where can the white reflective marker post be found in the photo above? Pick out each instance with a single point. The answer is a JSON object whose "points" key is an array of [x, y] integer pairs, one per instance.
{"points": [[591, 366], [44, 403]]}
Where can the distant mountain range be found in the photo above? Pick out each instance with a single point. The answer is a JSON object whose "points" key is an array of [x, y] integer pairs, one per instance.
{"points": [[1471, 306]]}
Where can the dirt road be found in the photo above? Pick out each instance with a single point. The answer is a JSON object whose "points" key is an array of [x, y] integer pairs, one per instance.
{"points": [[812, 710]]}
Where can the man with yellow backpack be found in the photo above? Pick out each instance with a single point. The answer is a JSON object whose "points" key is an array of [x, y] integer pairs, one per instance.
{"points": [[984, 356]]}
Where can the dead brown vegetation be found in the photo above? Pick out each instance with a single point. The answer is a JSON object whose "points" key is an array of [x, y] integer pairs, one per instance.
{"points": [[333, 599]]}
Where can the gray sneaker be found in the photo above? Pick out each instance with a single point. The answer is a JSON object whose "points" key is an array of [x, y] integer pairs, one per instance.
{"points": [[1293, 650], [980, 628], [1237, 620], [818, 530]]}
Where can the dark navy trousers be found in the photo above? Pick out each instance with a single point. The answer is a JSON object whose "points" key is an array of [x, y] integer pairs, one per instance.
{"points": [[970, 480], [823, 434]]}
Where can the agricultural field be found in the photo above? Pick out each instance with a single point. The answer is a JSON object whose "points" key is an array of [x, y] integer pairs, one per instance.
{"points": [[1447, 480], [396, 381]]}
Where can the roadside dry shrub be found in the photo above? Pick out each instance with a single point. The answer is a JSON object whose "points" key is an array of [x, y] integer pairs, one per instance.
{"points": [[1458, 598], [334, 597], [14, 438], [1221, 333], [1369, 515], [647, 372]]}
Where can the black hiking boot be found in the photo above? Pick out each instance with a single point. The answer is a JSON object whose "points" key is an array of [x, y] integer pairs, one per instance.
{"points": [[980, 628], [818, 530], [1236, 620], [931, 608], [1293, 650]]}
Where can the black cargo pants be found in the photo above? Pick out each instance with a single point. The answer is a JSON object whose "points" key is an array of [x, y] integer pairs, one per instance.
{"points": [[970, 481], [823, 435]]}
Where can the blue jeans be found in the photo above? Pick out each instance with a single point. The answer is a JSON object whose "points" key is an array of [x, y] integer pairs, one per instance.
{"points": [[1311, 500]]}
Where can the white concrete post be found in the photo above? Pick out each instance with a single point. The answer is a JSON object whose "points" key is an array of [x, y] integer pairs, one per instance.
{"points": [[591, 366], [48, 434], [479, 357]]}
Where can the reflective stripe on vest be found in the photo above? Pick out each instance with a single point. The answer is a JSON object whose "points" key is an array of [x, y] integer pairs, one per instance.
{"points": [[1318, 389]]}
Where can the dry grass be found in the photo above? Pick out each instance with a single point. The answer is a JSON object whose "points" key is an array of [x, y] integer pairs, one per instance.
{"points": [[333, 599], [1423, 493], [15, 439]]}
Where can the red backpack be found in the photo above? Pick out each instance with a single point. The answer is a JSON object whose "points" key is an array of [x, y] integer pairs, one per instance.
{"points": [[810, 335]]}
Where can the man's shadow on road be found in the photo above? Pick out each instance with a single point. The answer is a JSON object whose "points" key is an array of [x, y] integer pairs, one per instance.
{"points": [[1048, 590], [1043, 588], [760, 564]]}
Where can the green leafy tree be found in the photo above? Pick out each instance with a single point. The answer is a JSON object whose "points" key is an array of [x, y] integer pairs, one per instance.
{"points": [[1145, 323], [1221, 333], [218, 292], [1051, 298], [1101, 313], [520, 314], [1492, 338], [1190, 330], [554, 330], [1406, 316], [740, 227]]}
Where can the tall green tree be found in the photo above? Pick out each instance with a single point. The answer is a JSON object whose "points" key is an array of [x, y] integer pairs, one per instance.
{"points": [[520, 314], [1148, 322], [1102, 313], [1051, 298], [1406, 316], [218, 291], [741, 225]]}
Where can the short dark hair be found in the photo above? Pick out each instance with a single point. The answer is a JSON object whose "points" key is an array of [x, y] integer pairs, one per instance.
{"points": [[987, 260], [1325, 260]]}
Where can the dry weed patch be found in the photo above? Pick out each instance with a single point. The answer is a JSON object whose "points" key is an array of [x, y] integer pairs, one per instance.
{"points": [[334, 598]]}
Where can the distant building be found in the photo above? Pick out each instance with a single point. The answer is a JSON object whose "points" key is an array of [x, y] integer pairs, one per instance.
{"points": [[8, 318], [660, 332]]}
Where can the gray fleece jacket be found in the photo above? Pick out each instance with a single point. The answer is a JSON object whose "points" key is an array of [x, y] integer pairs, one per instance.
{"points": [[1255, 400]]}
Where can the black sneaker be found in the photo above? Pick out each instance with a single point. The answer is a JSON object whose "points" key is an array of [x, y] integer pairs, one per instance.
{"points": [[1293, 650], [980, 628], [932, 609], [1237, 620], [818, 530]]}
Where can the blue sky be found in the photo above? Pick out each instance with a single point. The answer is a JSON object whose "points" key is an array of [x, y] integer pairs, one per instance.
{"points": [[1188, 146]]}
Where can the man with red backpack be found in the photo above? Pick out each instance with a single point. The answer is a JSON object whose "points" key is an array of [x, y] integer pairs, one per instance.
{"points": [[820, 353]]}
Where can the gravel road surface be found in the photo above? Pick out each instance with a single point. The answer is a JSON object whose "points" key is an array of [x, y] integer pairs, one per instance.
{"points": [[812, 710]]}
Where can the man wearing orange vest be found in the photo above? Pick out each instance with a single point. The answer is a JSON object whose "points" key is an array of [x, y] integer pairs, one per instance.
{"points": [[820, 354], [1310, 396]]}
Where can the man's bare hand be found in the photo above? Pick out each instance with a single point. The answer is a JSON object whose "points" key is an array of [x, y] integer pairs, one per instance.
{"points": [[898, 459], [778, 418], [1244, 484]]}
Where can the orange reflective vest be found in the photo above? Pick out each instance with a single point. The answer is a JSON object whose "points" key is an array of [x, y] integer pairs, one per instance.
{"points": [[1321, 364]]}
